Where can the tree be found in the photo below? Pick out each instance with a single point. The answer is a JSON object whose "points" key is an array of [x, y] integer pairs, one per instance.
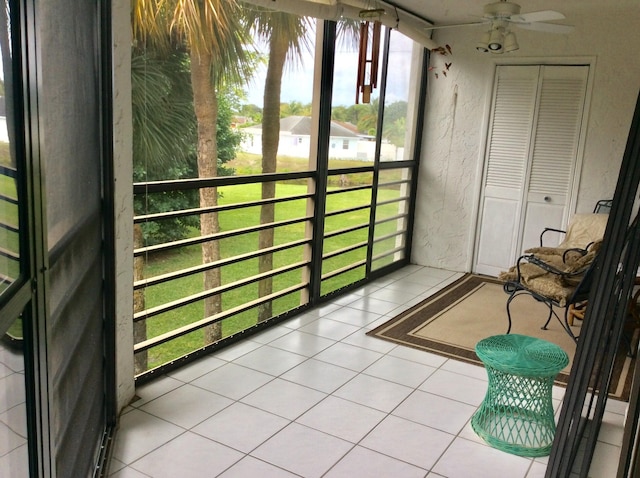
{"points": [[368, 117], [214, 38], [395, 111], [295, 108], [340, 113], [395, 132], [163, 132], [252, 113], [164, 129], [228, 138], [286, 36]]}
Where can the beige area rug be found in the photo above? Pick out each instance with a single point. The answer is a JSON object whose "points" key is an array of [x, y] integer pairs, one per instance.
{"points": [[452, 321]]}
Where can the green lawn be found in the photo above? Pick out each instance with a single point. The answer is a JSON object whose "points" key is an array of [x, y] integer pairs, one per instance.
{"points": [[236, 219], [9, 240], [5, 155]]}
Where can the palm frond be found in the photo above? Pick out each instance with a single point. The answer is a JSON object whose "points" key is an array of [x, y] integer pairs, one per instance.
{"points": [[205, 27], [348, 33], [162, 103], [281, 27]]}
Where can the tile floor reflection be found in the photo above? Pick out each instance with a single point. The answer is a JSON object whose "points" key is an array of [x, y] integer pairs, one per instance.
{"points": [[13, 423]]}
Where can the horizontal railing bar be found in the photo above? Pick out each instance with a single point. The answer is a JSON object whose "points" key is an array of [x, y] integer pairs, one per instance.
{"points": [[199, 183], [391, 218], [8, 171], [186, 329], [344, 250], [384, 254], [344, 269], [217, 236], [159, 279], [391, 201], [355, 169], [394, 183], [205, 210], [176, 304], [348, 189], [5, 279], [344, 211], [346, 230], [9, 254], [9, 199], [9, 227], [402, 164], [388, 236], [200, 352]]}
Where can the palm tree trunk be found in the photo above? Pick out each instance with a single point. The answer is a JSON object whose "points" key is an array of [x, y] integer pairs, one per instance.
{"points": [[270, 139], [139, 327], [205, 103]]}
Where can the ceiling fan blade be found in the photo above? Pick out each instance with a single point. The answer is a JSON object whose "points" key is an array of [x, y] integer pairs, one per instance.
{"points": [[546, 27], [541, 16]]}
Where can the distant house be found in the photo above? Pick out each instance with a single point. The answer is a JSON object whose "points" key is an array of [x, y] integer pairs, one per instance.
{"points": [[295, 139]]}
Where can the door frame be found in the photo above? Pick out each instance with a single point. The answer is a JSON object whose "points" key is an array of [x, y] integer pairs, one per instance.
{"points": [[29, 294], [26, 297], [590, 61]]}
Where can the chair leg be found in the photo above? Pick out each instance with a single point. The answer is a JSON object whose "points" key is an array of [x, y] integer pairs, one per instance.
{"points": [[511, 297], [566, 325], [571, 313], [546, 324], [577, 311]]}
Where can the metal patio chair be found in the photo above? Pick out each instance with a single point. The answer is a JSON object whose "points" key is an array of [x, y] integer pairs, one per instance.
{"points": [[560, 276]]}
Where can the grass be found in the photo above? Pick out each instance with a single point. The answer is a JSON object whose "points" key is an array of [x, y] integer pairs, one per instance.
{"points": [[5, 154], [9, 240], [248, 163], [240, 218], [237, 219], [8, 216]]}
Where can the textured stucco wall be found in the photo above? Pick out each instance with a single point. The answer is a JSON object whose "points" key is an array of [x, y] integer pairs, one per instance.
{"points": [[123, 171], [457, 115]]}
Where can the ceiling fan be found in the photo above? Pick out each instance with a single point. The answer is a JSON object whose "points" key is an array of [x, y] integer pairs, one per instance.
{"points": [[501, 15]]}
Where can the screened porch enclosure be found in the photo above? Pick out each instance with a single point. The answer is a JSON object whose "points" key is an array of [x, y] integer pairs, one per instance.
{"points": [[290, 233]]}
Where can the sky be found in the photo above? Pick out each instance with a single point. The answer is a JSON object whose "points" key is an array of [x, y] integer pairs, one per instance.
{"points": [[297, 84]]}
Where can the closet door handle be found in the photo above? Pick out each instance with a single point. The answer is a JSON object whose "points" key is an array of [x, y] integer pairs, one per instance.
{"points": [[547, 199]]}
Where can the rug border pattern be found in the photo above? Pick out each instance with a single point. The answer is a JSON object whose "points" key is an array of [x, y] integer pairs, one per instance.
{"points": [[400, 329]]}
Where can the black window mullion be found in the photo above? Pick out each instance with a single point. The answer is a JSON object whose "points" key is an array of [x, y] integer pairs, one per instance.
{"points": [[322, 165], [417, 149], [376, 162]]}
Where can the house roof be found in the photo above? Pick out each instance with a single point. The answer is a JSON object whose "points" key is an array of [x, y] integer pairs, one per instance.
{"points": [[301, 125]]}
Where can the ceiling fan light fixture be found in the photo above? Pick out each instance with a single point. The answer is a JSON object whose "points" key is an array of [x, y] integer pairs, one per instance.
{"points": [[483, 43], [510, 42], [496, 40]]}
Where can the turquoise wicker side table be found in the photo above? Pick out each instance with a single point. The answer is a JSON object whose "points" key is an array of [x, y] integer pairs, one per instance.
{"points": [[516, 415]]}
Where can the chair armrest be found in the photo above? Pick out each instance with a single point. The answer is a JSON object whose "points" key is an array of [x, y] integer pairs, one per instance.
{"points": [[546, 229], [579, 250], [542, 264], [532, 259]]}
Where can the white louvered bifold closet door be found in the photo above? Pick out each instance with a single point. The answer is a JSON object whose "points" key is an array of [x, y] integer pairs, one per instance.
{"points": [[531, 157]]}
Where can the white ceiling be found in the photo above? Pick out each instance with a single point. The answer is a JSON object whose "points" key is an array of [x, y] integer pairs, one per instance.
{"points": [[414, 17], [461, 11]]}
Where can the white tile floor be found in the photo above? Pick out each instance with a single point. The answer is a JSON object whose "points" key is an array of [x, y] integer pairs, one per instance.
{"points": [[13, 421], [316, 397]]}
